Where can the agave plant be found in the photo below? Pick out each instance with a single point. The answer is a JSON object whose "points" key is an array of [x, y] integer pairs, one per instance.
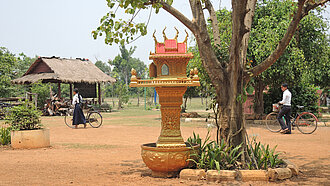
{"points": [[213, 156]]}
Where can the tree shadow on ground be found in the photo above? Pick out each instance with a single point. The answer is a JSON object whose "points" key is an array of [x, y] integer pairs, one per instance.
{"points": [[313, 172], [135, 167]]}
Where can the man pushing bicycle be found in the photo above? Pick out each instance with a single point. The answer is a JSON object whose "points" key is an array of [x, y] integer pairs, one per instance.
{"points": [[286, 110]]}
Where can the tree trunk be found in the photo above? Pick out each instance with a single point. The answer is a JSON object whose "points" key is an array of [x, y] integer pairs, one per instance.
{"points": [[184, 104], [119, 104], [138, 103], [258, 106], [232, 128], [138, 97]]}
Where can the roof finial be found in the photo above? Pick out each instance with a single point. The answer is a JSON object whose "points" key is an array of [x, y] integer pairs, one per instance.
{"points": [[153, 35], [177, 33], [164, 35], [186, 39]]}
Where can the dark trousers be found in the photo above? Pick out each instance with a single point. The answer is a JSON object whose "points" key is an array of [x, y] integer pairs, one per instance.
{"points": [[286, 112], [78, 116]]}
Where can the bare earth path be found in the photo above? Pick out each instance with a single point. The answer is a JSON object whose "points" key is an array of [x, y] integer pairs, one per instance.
{"points": [[110, 155]]}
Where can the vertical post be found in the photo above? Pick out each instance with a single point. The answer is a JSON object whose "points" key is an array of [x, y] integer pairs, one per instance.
{"points": [[71, 92], [36, 100], [59, 90], [145, 98], [155, 96], [99, 92]]}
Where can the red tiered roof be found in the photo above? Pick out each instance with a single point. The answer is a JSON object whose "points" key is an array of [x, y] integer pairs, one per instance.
{"points": [[171, 49]]}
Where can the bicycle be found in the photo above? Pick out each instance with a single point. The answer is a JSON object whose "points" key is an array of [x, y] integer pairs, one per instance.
{"points": [[94, 118], [306, 122]]}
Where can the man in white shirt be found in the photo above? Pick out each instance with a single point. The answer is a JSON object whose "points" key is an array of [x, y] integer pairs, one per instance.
{"points": [[286, 110]]}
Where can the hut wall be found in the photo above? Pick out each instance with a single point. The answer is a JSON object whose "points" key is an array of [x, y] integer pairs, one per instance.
{"points": [[86, 90]]}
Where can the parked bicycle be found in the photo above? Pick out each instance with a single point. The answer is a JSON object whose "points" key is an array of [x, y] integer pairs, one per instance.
{"points": [[306, 122], [94, 118]]}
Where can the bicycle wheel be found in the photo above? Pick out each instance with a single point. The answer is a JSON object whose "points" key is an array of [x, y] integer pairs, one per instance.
{"points": [[68, 119], [306, 123], [95, 119], [271, 122]]}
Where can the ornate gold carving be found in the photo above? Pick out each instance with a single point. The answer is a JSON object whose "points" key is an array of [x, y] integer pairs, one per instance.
{"points": [[196, 78], [171, 118], [134, 80], [177, 34], [186, 39], [164, 35], [133, 72], [166, 160], [155, 39]]}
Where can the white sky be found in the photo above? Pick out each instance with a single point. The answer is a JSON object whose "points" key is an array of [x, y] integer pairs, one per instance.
{"points": [[63, 28]]}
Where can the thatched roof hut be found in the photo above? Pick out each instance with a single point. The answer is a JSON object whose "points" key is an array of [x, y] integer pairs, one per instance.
{"points": [[61, 70]]}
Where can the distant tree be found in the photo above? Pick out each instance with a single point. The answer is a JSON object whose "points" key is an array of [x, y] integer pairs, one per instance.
{"points": [[104, 67], [313, 38], [8, 62], [122, 94], [124, 62], [272, 17], [23, 64]]}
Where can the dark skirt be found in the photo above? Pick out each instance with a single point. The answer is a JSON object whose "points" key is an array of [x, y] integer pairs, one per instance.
{"points": [[78, 116]]}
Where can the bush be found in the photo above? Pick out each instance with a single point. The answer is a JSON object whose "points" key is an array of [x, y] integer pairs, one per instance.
{"points": [[303, 94], [5, 136], [24, 117], [213, 156], [264, 156]]}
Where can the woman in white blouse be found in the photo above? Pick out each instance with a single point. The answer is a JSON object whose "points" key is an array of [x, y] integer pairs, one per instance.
{"points": [[78, 115]]}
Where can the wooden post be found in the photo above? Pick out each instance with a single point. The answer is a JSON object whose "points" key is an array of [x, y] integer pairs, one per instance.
{"points": [[59, 90], [71, 92], [99, 92]]}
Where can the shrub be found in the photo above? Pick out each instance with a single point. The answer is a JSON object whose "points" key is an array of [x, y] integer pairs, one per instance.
{"points": [[213, 156], [5, 135], [24, 117], [265, 156]]}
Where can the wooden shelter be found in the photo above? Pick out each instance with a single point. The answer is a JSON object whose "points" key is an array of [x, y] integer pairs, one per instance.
{"points": [[61, 70]]}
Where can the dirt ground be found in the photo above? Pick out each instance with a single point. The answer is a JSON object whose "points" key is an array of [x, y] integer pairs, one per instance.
{"points": [[110, 155]]}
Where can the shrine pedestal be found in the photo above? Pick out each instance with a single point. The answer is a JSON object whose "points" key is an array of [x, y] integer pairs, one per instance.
{"points": [[170, 99], [170, 153]]}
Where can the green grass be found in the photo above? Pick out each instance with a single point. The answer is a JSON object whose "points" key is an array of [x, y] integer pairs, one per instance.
{"points": [[192, 104]]}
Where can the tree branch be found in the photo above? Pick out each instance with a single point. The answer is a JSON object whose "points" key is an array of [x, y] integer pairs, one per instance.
{"points": [[182, 18], [214, 23], [310, 6], [281, 45]]}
